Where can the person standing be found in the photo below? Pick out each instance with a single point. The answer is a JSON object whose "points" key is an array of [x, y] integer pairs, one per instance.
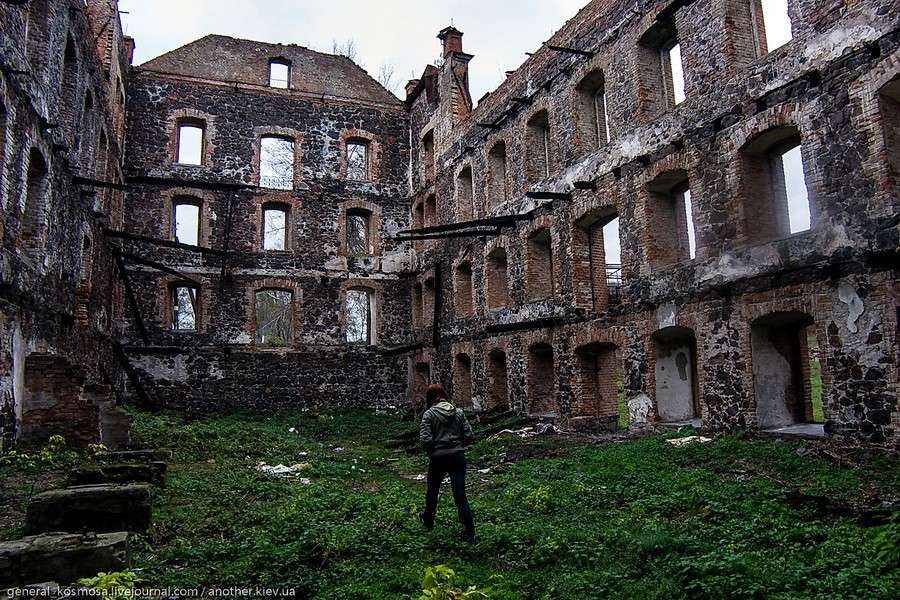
{"points": [[444, 433]]}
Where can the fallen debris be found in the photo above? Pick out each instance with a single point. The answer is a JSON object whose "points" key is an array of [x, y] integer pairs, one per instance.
{"points": [[282, 470], [691, 439]]}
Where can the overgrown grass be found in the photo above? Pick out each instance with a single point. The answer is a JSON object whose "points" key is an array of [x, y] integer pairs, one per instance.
{"points": [[638, 519]]}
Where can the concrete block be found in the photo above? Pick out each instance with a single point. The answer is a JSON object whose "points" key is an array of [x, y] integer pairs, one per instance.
{"points": [[153, 472], [61, 557], [98, 508]]}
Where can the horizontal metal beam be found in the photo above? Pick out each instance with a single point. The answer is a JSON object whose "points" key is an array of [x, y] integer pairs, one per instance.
{"points": [[78, 180], [192, 183], [449, 234], [546, 195], [158, 266], [124, 235]]}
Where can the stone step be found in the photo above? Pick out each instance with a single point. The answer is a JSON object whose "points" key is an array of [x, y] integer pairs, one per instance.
{"points": [[134, 456], [98, 508], [154, 472], [61, 557]]}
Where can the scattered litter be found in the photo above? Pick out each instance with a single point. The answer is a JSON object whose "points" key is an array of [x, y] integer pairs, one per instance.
{"points": [[677, 442], [522, 433], [338, 449], [304, 480], [547, 429], [292, 430], [488, 470], [803, 451], [419, 477], [281, 470], [303, 454]]}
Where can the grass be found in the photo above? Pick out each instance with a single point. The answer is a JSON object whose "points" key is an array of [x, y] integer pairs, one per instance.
{"points": [[557, 518]]}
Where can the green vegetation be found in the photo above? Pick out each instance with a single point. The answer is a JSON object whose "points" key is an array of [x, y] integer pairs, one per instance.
{"points": [[639, 519]]}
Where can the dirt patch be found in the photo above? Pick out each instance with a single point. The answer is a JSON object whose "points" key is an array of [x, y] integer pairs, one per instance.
{"points": [[15, 491]]}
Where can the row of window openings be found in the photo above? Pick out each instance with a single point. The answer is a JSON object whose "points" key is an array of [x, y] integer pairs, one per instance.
{"points": [[274, 314], [276, 227], [592, 103], [671, 233], [782, 172], [276, 156]]}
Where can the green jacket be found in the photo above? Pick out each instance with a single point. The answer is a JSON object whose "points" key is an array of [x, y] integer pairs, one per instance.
{"points": [[444, 430]]}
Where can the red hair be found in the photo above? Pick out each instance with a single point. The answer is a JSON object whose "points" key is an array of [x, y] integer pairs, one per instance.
{"points": [[434, 393]]}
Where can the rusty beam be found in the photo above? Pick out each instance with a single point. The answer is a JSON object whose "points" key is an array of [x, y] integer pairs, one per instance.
{"points": [[157, 265], [124, 235], [78, 180]]}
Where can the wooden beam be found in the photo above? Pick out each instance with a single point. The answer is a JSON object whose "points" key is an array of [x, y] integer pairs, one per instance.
{"points": [[490, 125], [585, 185], [449, 234], [158, 266], [394, 350], [498, 221], [124, 235], [78, 180], [129, 295]]}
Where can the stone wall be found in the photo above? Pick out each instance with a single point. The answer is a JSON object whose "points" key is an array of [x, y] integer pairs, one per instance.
{"points": [[61, 114], [832, 90], [221, 363]]}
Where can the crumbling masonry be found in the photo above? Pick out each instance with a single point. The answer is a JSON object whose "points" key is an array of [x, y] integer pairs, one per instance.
{"points": [[281, 232]]}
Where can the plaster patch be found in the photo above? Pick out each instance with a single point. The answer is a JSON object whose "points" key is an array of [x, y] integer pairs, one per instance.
{"points": [[667, 315], [847, 294], [639, 409]]}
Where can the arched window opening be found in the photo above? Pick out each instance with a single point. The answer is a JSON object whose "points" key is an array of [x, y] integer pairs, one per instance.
{"points": [[497, 279], [592, 116], [889, 100], [186, 220], [670, 225], [184, 307], [462, 297], [68, 85], [596, 269], [677, 400], [280, 73], [417, 308], [191, 134], [597, 381], [358, 160], [36, 192], [772, 19], [661, 69], [276, 218], [465, 208], [462, 380], [274, 317], [359, 237], [786, 370], [359, 313], [497, 194], [775, 198], [540, 281], [428, 157], [540, 375], [537, 147], [497, 379], [276, 162]]}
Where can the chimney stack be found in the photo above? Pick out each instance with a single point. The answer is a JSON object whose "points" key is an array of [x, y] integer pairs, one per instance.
{"points": [[411, 86], [451, 37]]}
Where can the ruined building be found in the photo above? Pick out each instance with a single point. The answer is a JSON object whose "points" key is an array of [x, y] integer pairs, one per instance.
{"points": [[659, 217]]}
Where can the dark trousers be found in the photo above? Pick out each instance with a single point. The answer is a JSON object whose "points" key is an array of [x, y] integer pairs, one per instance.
{"points": [[438, 468]]}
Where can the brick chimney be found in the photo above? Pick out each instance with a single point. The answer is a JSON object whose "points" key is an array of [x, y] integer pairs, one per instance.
{"points": [[411, 86], [129, 49], [451, 37]]}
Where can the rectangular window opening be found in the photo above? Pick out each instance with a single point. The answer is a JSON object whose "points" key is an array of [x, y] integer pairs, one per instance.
{"points": [[358, 243], [274, 318], [357, 161], [186, 223], [275, 228], [276, 163], [184, 308], [359, 316], [776, 23], [279, 74], [190, 144]]}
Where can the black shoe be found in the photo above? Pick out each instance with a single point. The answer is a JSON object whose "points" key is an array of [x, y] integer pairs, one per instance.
{"points": [[428, 523]]}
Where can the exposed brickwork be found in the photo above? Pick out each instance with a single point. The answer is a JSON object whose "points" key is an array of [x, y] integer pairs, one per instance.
{"points": [[60, 116], [679, 337]]}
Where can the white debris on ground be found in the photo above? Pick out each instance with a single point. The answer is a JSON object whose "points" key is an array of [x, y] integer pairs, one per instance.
{"points": [[527, 432], [691, 439], [284, 470]]}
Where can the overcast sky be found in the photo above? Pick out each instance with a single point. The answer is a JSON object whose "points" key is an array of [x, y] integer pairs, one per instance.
{"points": [[397, 32]]}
